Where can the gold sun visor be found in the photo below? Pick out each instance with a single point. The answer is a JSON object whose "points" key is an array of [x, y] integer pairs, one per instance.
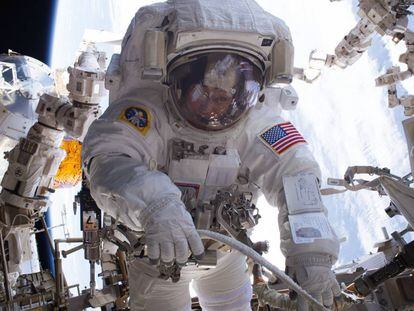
{"points": [[213, 90], [70, 170]]}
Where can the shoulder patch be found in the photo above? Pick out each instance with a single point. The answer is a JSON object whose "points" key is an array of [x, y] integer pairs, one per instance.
{"points": [[137, 117], [281, 137]]}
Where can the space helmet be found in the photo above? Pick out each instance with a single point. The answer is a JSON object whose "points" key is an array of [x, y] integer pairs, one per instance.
{"points": [[215, 57]]}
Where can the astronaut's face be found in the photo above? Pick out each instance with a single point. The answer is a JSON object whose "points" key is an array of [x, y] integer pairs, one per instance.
{"points": [[209, 103]]}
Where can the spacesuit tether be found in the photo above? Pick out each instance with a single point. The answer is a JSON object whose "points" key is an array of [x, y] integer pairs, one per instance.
{"points": [[187, 124]]}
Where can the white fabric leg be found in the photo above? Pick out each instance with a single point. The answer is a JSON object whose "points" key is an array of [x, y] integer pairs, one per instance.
{"points": [[149, 293], [227, 287]]}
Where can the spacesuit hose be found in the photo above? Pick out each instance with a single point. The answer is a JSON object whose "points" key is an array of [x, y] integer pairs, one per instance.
{"points": [[249, 252]]}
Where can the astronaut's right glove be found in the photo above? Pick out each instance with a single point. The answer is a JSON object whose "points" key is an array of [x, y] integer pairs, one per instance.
{"points": [[170, 231], [313, 273]]}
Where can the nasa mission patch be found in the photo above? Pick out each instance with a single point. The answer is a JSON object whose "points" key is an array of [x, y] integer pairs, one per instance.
{"points": [[137, 117]]}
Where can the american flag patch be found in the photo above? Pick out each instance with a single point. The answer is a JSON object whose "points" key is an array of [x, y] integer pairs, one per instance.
{"points": [[281, 137]]}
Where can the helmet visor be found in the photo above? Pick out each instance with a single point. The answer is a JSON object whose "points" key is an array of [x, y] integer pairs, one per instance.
{"points": [[213, 91]]}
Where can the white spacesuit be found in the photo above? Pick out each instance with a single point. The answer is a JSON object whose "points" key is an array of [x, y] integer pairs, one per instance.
{"points": [[187, 122]]}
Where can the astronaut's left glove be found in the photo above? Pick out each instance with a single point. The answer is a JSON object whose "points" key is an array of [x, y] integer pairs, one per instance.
{"points": [[313, 273]]}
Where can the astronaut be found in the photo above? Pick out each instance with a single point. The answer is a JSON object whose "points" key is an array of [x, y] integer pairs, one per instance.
{"points": [[188, 120]]}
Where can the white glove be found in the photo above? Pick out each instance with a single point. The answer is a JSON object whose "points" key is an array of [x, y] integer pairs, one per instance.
{"points": [[169, 231], [313, 273]]}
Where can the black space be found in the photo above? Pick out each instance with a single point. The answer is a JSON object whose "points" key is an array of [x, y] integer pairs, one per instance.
{"points": [[26, 27]]}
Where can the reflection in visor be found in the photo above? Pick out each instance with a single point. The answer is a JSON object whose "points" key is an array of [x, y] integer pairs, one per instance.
{"points": [[214, 91], [210, 103]]}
